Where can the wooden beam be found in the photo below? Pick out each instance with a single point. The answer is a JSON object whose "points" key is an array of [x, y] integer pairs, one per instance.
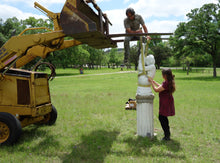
{"points": [[138, 34]]}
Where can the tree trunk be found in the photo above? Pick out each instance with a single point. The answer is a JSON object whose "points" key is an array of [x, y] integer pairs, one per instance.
{"points": [[136, 67], [214, 68], [187, 68], [214, 59], [158, 66]]}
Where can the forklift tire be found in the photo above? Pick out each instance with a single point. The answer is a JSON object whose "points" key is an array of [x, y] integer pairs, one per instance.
{"points": [[10, 129], [51, 117]]}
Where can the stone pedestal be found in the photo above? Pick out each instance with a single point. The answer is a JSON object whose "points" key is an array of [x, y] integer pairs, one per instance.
{"points": [[145, 121]]}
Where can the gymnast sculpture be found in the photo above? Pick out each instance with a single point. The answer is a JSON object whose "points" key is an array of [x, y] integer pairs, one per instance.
{"points": [[145, 71]]}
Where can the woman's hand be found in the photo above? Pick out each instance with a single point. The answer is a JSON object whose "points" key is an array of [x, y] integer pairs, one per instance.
{"points": [[150, 79]]}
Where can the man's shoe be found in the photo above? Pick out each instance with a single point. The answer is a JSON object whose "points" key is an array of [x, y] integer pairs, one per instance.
{"points": [[166, 138]]}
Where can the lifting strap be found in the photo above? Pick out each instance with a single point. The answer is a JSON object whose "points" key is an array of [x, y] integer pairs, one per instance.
{"points": [[143, 55]]}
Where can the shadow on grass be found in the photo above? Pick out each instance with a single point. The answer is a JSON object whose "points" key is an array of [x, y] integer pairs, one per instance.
{"points": [[141, 146], [41, 138], [94, 147], [98, 144], [45, 138], [200, 78]]}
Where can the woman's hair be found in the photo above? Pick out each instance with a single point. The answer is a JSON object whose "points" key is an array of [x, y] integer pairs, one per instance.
{"points": [[170, 79]]}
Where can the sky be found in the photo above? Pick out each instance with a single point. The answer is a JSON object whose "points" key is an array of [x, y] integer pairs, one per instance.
{"points": [[159, 15]]}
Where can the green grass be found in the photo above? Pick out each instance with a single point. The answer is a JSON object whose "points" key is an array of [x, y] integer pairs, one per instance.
{"points": [[93, 126]]}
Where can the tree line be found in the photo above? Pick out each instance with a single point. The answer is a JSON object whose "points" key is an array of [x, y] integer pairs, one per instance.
{"points": [[194, 43]]}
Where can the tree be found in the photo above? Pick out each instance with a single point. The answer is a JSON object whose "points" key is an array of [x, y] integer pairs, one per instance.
{"points": [[134, 55], [218, 51], [32, 22], [100, 57], [120, 58], [113, 56], [12, 26], [2, 33], [186, 61], [161, 52], [95, 57], [73, 56], [200, 34], [105, 59], [78, 55]]}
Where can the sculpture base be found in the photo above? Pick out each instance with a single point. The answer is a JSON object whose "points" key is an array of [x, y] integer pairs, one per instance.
{"points": [[145, 121]]}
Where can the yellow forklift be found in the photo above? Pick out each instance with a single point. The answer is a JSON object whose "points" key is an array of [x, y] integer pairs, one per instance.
{"points": [[24, 95]]}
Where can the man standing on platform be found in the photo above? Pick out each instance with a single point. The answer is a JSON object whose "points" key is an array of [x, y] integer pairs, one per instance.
{"points": [[132, 25]]}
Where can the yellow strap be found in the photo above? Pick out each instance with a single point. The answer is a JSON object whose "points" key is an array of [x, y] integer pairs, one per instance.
{"points": [[146, 48], [143, 85], [141, 74], [142, 54], [142, 57]]}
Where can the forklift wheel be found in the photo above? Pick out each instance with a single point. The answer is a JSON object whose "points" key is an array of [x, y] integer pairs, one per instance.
{"points": [[10, 129], [50, 118], [53, 116]]}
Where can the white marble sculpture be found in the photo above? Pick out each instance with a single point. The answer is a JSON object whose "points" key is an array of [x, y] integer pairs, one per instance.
{"points": [[144, 88]]}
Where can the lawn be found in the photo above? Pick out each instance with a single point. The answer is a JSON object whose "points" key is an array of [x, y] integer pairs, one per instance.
{"points": [[93, 126]]}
